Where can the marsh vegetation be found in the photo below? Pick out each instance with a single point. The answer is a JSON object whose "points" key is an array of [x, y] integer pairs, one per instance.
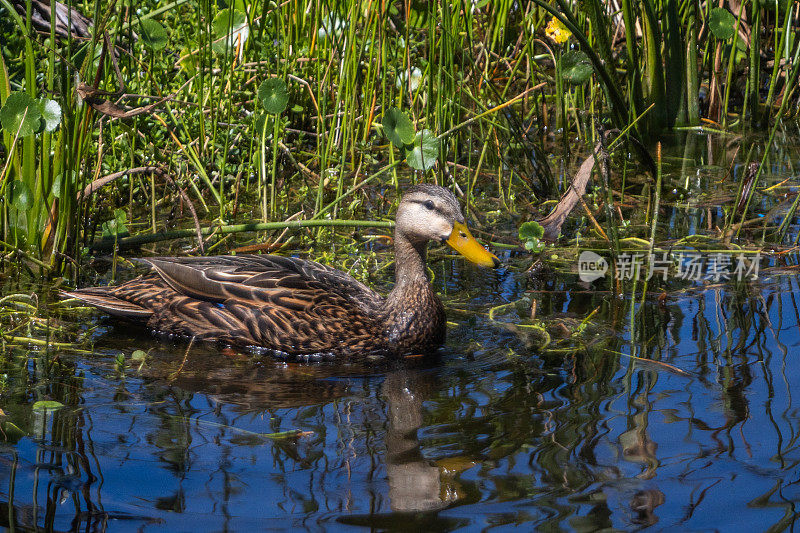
{"points": [[191, 128]]}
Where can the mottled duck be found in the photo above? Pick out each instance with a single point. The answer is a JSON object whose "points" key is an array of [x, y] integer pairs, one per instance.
{"points": [[295, 307]]}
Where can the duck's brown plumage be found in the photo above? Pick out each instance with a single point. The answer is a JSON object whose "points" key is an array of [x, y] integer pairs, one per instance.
{"points": [[294, 306]]}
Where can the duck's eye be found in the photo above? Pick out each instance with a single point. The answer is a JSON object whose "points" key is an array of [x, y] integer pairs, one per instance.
{"points": [[429, 205]]}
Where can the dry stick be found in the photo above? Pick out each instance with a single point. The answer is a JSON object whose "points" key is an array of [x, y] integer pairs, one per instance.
{"points": [[96, 184], [552, 223]]}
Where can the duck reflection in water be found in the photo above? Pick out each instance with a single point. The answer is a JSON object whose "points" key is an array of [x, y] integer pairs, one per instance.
{"points": [[415, 484]]}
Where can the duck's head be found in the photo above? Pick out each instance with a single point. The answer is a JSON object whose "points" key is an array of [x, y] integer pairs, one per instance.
{"points": [[431, 213]]}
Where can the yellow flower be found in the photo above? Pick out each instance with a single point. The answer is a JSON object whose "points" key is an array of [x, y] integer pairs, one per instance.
{"points": [[557, 31]]}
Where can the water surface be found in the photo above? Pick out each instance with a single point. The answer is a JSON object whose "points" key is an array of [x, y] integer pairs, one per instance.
{"points": [[496, 432]]}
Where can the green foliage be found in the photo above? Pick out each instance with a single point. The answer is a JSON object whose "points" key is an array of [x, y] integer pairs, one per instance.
{"points": [[424, 152], [21, 195], [722, 23], [117, 226], [153, 34], [22, 114], [10, 432], [230, 29], [398, 127], [421, 149], [229, 142], [273, 95], [576, 67], [51, 114], [531, 234]]}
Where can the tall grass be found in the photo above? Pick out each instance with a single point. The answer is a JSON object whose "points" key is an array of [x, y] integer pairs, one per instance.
{"points": [[346, 63]]}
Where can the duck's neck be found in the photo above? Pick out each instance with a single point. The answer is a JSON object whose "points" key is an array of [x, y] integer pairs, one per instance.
{"points": [[414, 316], [410, 274]]}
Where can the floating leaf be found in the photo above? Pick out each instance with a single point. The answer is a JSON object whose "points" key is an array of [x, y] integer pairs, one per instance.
{"points": [[531, 230], [576, 67], [51, 113], [274, 95], [231, 31], [153, 34], [398, 127], [722, 23], [21, 195], [425, 151], [21, 112], [47, 405], [531, 234], [138, 355]]}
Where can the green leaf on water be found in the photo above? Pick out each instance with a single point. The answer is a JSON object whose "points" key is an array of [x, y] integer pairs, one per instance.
{"points": [[51, 113], [138, 355], [398, 127], [576, 67], [531, 230], [21, 195], [47, 405], [274, 95], [231, 30], [425, 151], [722, 23], [291, 434], [21, 113], [531, 234], [153, 34]]}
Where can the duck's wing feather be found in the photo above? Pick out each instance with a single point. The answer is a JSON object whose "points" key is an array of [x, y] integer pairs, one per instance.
{"points": [[101, 298], [287, 304], [264, 280]]}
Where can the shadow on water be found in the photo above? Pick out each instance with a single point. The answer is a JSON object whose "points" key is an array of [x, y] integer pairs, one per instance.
{"points": [[675, 414]]}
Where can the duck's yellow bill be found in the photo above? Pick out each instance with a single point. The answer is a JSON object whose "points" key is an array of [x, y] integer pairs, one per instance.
{"points": [[464, 243]]}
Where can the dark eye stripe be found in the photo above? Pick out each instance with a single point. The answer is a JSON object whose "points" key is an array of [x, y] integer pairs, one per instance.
{"points": [[435, 207]]}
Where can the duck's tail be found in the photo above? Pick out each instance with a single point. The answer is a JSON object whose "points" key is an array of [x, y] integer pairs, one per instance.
{"points": [[101, 298]]}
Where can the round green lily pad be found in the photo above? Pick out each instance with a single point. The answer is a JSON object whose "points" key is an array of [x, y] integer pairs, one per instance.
{"points": [[21, 113], [576, 67], [425, 151], [274, 95], [398, 127], [51, 113], [153, 34], [722, 23]]}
